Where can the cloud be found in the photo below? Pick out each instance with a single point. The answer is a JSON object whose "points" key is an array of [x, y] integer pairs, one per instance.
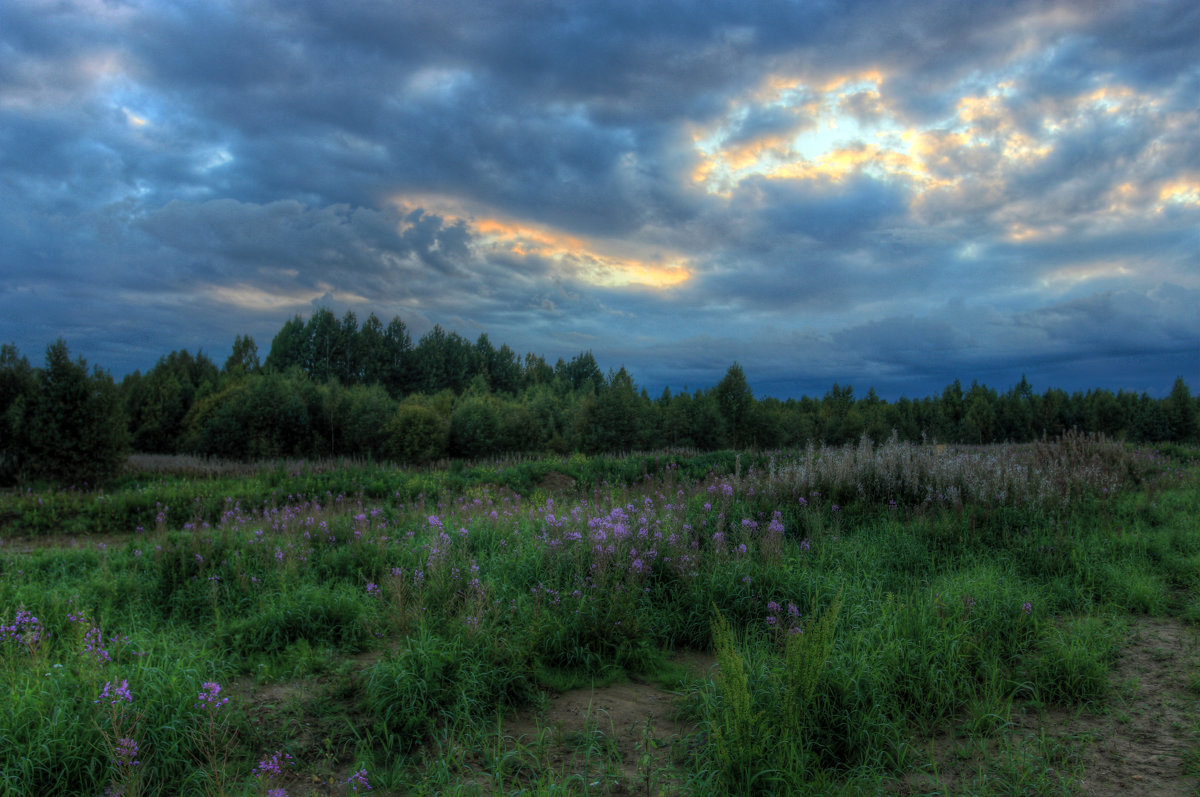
{"points": [[890, 190]]}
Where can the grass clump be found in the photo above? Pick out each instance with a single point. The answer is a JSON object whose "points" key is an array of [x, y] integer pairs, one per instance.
{"points": [[857, 601]]}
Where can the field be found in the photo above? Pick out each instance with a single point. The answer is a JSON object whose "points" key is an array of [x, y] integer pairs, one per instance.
{"points": [[887, 618]]}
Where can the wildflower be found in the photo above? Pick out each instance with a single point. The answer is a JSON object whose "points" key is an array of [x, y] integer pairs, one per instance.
{"points": [[358, 779], [772, 606], [792, 610], [372, 588], [1027, 608], [93, 643], [208, 697], [273, 765], [805, 544], [127, 752], [25, 630], [115, 695]]}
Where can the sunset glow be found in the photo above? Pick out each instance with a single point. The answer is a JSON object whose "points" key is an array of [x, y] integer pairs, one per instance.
{"points": [[822, 192]]}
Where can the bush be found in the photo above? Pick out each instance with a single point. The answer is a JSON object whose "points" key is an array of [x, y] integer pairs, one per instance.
{"points": [[475, 429], [416, 434]]}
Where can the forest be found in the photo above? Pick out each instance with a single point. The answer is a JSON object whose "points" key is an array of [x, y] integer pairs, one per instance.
{"points": [[338, 388]]}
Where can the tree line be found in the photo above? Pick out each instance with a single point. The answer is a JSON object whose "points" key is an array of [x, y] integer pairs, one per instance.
{"points": [[333, 387]]}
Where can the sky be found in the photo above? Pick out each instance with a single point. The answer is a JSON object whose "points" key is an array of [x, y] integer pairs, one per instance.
{"points": [[888, 194]]}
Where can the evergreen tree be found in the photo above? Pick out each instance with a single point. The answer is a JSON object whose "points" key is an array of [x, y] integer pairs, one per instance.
{"points": [[1181, 413], [74, 427], [18, 384], [397, 374], [735, 402]]}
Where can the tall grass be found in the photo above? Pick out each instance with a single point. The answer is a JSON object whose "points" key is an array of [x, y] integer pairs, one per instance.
{"points": [[855, 598]]}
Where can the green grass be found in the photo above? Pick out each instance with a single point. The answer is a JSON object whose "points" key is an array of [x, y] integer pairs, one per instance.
{"points": [[370, 618]]}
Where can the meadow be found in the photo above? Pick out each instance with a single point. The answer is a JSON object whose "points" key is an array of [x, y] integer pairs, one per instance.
{"points": [[892, 618]]}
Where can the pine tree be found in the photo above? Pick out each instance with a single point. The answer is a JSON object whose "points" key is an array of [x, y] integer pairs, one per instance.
{"points": [[74, 426]]}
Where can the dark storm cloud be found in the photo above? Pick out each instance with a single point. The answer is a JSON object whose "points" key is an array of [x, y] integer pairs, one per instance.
{"points": [[173, 173]]}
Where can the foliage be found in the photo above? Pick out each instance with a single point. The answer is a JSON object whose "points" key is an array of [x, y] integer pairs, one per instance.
{"points": [[330, 387], [416, 434], [850, 617], [66, 425]]}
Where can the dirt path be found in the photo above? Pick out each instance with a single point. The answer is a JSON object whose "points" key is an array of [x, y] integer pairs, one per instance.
{"points": [[1144, 741], [620, 739]]}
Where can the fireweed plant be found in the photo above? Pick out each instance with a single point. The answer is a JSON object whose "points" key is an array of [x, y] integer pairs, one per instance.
{"points": [[857, 599]]}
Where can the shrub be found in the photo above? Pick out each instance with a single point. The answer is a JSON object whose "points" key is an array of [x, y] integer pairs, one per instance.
{"points": [[416, 434]]}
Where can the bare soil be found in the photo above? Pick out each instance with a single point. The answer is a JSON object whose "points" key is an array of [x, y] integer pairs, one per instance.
{"points": [[1145, 740]]}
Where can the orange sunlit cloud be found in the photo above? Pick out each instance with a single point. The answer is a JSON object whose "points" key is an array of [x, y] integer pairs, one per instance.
{"points": [[982, 144], [1184, 191], [594, 261]]}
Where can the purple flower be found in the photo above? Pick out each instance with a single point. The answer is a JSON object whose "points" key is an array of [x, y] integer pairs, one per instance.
{"points": [[792, 610], [208, 697], [115, 695], [372, 588], [1027, 608], [273, 765], [127, 752], [94, 643], [772, 606], [357, 780], [25, 629]]}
